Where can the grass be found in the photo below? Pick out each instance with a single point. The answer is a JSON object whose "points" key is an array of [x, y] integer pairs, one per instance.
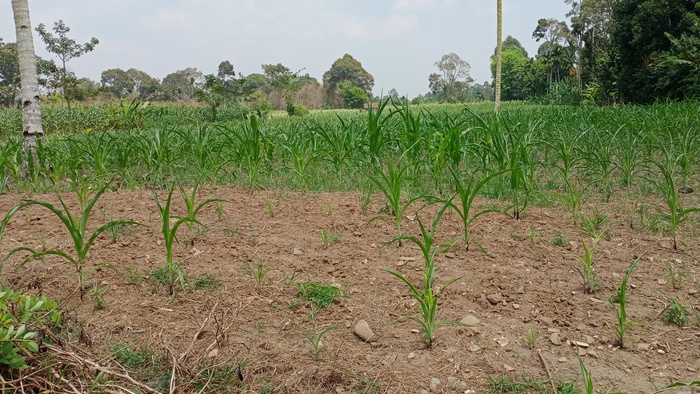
{"points": [[676, 313], [319, 294]]}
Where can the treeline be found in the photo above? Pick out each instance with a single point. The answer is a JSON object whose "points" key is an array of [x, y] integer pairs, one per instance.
{"points": [[611, 51]]}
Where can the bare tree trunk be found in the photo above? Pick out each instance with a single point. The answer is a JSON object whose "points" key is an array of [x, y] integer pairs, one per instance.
{"points": [[31, 101], [499, 54]]}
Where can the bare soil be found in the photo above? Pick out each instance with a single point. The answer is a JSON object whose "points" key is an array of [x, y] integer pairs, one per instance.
{"points": [[520, 285]]}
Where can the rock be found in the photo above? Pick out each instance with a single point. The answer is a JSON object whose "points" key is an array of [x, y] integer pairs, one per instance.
{"points": [[592, 353], [495, 299], [502, 341], [661, 351], [470, 320], [516, 306], [450, 255], [554, 338], [213, 353], [546, 320], [643, 347], [474, 348], [580, 344], [562, 359], [390, 360], [508, 368], [661, 281], [456, 384], [297, 251], [434, 383], [590, 339], [582, 352], [363, 331], [692, 292]]}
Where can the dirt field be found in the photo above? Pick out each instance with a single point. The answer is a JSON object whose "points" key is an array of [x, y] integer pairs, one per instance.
{"points": [[521, 285]]}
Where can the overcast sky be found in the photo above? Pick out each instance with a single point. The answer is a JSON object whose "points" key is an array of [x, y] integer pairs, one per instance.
{"points": [[397, 41]]}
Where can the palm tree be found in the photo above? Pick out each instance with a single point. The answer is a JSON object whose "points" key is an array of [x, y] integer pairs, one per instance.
{"points": [[31, 102], [499, 50]]}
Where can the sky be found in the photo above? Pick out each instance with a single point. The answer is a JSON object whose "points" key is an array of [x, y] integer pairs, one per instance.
{"points": [[397, 41]]}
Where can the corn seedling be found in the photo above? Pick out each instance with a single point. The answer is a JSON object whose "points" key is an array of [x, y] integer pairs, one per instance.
{"points": [[329, 237], [427, 294], [531, 337], [77, 228], [619, 304], [259, 272], [391, 182], [676, 313], [591, 282], [315, 336], [271, 208], [587, 379], [667, 187], [466, 192], [172, 270], [676, 276]]}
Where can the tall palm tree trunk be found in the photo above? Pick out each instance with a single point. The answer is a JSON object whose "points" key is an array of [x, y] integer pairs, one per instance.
{"points": [[31, 101], [499, 56]]}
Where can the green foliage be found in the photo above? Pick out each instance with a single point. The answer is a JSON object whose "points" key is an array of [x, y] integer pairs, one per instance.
{"points": [[329, 237], [127, 116], [349, 70], [352, 96], [676, 276], [296, 110], [319, 294], [16, 312], [259, 272], [130, 358], [206, 282]]}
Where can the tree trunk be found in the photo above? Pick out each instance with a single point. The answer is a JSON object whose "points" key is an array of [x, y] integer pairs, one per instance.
{"points": [[499, 55], [31, 102]]}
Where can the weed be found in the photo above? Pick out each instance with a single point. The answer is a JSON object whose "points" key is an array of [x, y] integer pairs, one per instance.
{"points": [[531, 337], [318, 293], [259, 272], [559, 240], [676, 313], [591, 282], [220, 379], [620, 308], [271, 208], [329, 209], [532, 236], [220, 209], [206, 282], [130, 358], [315, 336], [133, 276], [596, 225], [329, 237], [365, 199], [96, 293], [676, 276]]}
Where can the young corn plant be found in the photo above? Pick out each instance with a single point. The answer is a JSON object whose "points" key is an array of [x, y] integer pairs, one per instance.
{"points": [[77, 228], [667, 187], [591, 282], [172, 269], [466, 192], [427, 294], [620, 308], [315, 336], [391, 182]]}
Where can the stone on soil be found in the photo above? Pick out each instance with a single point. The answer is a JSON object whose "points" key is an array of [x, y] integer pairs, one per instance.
{"points": [[456, 384], [434, 383], [470, 320], [363, 331], [554, 338]]}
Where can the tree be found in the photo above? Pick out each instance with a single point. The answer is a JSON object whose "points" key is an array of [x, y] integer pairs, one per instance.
{"points": [[514, 69], [285, 82], [65, 49], [117, 82], [353, 96], [31, 100], [222, 89], [453, 78], [182, 84], [499, 53], [639, 35], [9, 73], [346, 69]]}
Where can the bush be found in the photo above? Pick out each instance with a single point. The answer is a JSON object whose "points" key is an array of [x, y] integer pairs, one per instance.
{"points": [[297, 110]]}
